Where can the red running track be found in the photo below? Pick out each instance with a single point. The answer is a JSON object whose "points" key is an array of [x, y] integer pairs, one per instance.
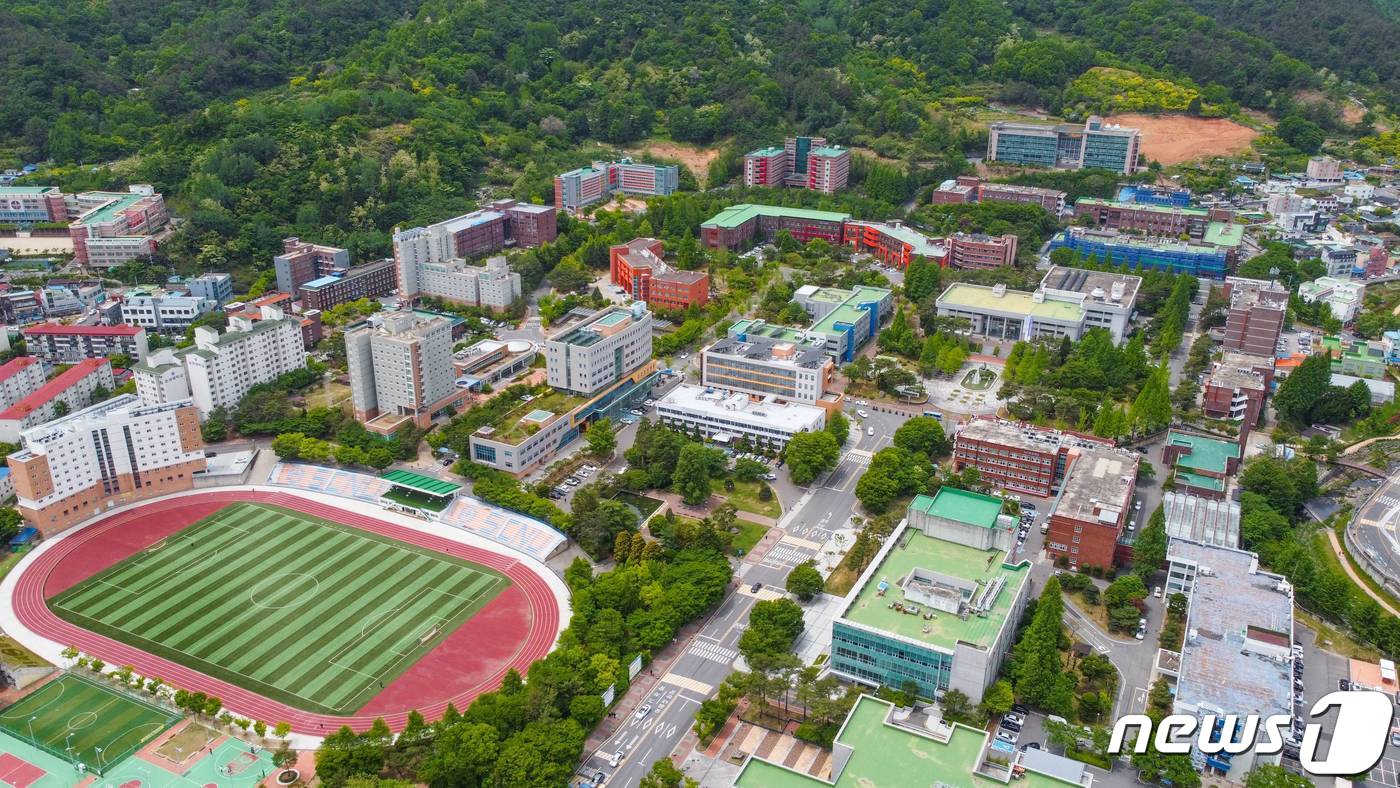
{"points": [[512, 631]]}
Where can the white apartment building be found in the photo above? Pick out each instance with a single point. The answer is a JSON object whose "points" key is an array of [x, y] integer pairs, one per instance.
{"points": [[111, 453], [72, 390], [19, 378], [220, 368], [164, 313], [402, 365], [726, 415], [1342, 295], [494, 286], [597, 353]]}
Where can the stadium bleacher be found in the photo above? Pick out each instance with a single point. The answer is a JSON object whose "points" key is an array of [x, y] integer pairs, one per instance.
{"points": [[516, 531]]}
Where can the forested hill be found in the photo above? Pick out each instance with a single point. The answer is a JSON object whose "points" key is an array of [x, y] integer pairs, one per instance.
{"points": [[337, 119], [1355, 38]]}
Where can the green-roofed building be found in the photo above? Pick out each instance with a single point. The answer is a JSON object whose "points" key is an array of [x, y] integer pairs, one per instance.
{"points": [[939, 604], [741, 226], [846, 319], [1200, 463], [880, 746], [416, 491]]}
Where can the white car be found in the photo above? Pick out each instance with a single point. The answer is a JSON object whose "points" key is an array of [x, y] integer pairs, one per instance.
{"points": [[1157, 592], [615, 759], [642, 712], [862, 402], [870, 431], [862, 414]]}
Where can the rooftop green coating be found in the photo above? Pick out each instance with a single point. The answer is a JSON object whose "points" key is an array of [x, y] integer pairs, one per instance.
{"points": [[27, 189], [760, 328], [1016, 302], [106, 212], [917, 551], [826, 151], [1140, 206], [737, 215], [1226, 234], [417, 481], [1203, 482], [886, 756], [1207, 454], [960, 505], [849, 311]]}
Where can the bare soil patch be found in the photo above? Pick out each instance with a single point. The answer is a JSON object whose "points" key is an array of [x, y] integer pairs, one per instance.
{"points": [[1172, 139]]}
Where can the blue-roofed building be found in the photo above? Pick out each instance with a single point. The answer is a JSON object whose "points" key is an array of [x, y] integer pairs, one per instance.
{"points": [[1145, 194]]}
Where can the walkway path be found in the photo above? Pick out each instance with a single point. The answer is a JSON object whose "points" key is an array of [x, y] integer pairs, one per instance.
{"points": [[1344, 560], [705, 510]]}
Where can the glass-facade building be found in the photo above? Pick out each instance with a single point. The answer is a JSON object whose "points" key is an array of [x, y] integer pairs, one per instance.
{"points": [[1173, 256]]}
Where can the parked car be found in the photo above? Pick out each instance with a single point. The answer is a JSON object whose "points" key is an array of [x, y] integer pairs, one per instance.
{"points": [[1157, 592], [1020, 708], [870, 431], [862, 414], [1011, 726], [1007, 736], [1014, 717]]}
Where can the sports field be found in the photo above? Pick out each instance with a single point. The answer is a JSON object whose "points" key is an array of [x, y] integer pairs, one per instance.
{"points": [[100, 725], [302, 610]]}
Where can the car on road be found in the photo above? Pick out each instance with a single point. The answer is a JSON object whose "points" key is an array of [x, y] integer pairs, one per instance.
{"points": [[870, 431], [642, 712], [615, 759], [1344, 685], [756, 587], [1395, 739], [862, 414], [770, 477], [1141, 633], [862, 402], [1157, 592], [599, 778], [1031, 745]]}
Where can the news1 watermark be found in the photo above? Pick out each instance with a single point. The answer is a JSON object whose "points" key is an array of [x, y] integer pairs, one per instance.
{"points": [[1358, 740]]}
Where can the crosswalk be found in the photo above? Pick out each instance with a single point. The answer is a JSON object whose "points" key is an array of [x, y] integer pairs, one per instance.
{"points": [[713, 651], [687, 683], [859, 457], [786, 555]]}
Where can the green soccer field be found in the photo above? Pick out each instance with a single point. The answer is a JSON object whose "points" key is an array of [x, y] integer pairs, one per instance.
{"points": [[299, 609], [73, 718]]}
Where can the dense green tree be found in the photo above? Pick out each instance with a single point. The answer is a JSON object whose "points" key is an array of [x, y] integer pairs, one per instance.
{"points": [[602, 439], [1037, 668], [839, 425], [922, 435], [692, 475], [804, 581], [810, 454]]}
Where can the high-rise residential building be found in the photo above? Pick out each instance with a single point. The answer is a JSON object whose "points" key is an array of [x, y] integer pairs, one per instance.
{"points": [[597, 353], [1069, 147], [637, 268], [1237, 659], [740, 226], [71, 390], [577, 189], [112, 228], [453, 279], [765, 167], [828, 169], [111, 453], [32, 204], [802, 162], [981, 252], [215, 287], [938, 605], [400, 367], [1256, 315], [370, 280], [163, 312], [220, 368], [19, 377], [57, 343], [302, 262], [767, 367]]}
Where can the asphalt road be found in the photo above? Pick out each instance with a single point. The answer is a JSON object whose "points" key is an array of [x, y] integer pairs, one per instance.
{"points": [[1376, 528]]}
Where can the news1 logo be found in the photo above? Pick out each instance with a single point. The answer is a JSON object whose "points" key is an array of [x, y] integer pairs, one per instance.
{"points": [[1358, 737]]}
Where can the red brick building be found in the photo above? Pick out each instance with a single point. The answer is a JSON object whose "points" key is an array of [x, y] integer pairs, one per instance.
{"points": [[893, 243], [1237, 388], [981, 251], [1256, 314], [637, 268]]}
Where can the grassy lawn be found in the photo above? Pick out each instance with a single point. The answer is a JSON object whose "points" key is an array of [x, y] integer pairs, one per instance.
{"points": [[842, 579], [9, 560], [747, 535], [1326, 547], [1335, 640], [1096, 613], [745, 498], [643, 504], [418, 501]]}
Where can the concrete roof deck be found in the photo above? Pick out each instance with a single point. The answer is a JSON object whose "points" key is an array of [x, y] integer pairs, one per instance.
{"points": [[1100, 479], [120, 201], [915, 550], [1015, 302], [849, 311], [1202, 212]]}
